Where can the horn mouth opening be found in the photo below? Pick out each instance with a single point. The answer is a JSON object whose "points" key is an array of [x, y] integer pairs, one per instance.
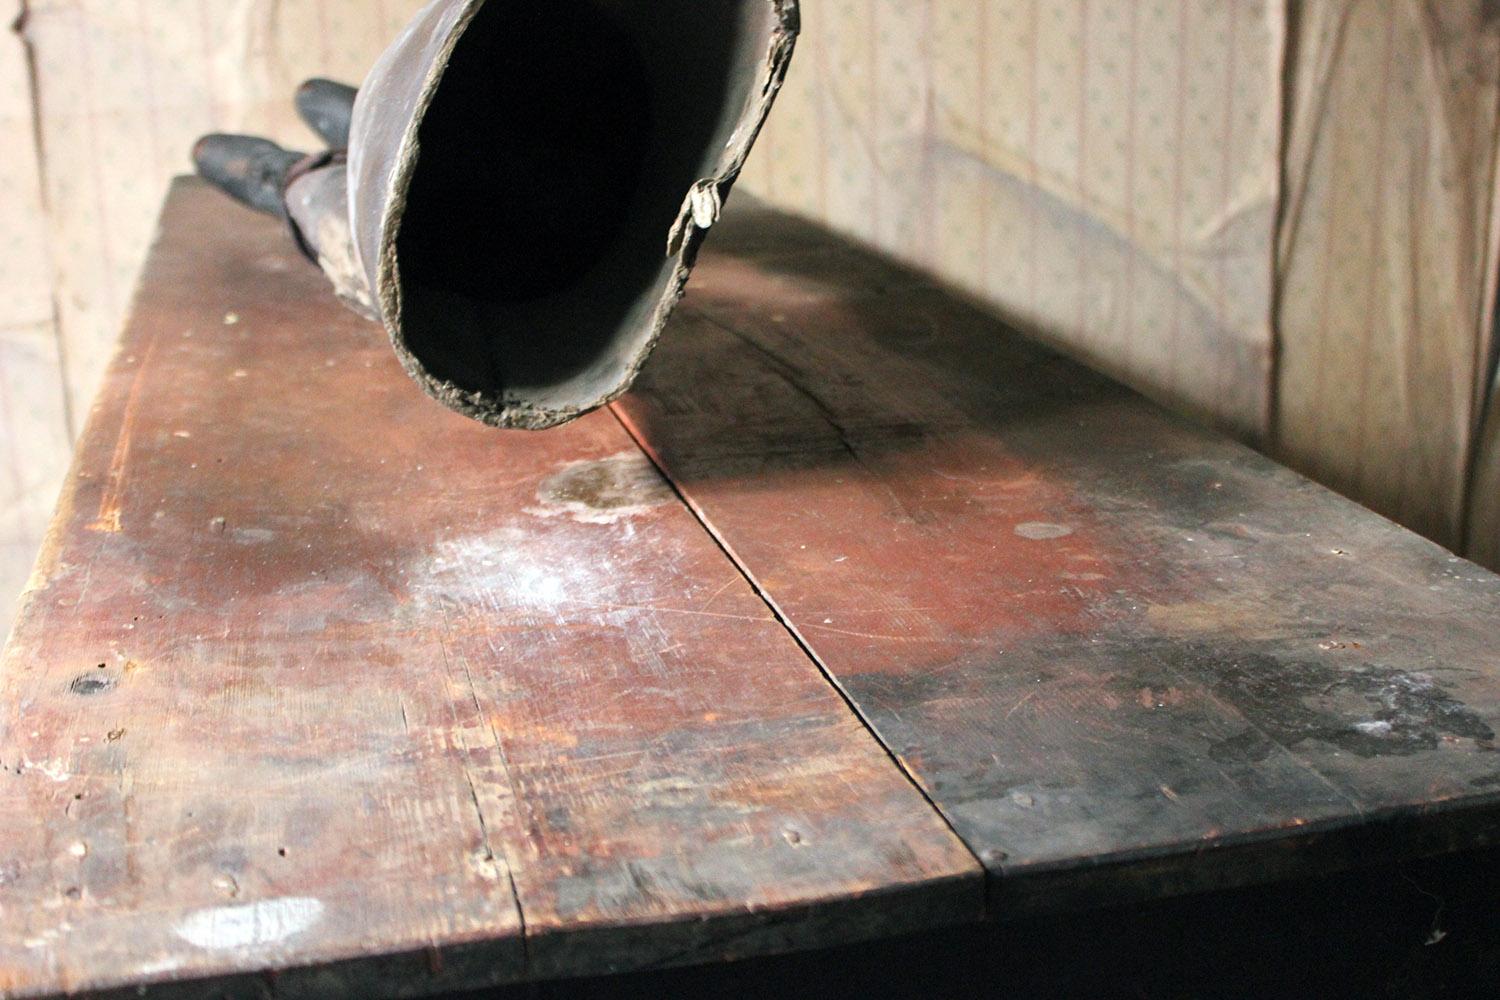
{"points": [[553, 161]]}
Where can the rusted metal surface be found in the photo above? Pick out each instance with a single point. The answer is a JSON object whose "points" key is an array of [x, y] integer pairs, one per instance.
{"points": [[322, 690], [1124, 656]]}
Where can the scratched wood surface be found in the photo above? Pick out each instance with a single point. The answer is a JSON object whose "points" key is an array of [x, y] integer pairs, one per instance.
{"points": [[1125, 657], [322, 690]]}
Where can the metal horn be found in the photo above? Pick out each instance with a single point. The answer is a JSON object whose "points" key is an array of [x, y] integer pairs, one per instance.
{"points": [[526, 186]]}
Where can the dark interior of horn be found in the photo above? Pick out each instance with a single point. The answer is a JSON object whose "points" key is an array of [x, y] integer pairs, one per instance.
{"points": [[565, 136]]}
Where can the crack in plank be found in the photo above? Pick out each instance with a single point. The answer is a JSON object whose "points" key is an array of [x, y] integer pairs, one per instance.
{"points": [[771, 604]]}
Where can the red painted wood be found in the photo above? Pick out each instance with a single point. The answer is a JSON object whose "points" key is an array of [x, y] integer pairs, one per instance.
{"points": [[317, 678]]}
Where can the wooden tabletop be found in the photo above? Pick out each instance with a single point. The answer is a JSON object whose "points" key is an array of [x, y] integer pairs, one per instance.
{"points": [[861, 615]]}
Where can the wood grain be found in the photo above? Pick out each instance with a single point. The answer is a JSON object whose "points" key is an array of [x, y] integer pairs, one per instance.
{"points": [[318, 682], [1124, 656]]}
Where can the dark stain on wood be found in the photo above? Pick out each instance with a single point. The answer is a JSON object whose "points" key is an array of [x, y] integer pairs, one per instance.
{"points": [[88, 684], [1124, 656], [1364, 708]]}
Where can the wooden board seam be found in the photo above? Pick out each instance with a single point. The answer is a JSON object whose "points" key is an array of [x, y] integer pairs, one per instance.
{"points": [[701, 517]]}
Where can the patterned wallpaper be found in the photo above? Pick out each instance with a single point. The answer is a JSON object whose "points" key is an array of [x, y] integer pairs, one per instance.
{"points": [[1104, 173], [1387, 260]]}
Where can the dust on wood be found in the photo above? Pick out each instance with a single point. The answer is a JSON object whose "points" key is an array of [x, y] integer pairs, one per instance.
{"points": [[379, 700]]}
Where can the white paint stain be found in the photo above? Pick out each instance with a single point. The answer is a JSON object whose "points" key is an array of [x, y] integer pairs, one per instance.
{"points": [[535, 586], [486, 865], [54, 769], [252, 925], [160, 966], [510, 567], [252, 536], [1041, 531]]}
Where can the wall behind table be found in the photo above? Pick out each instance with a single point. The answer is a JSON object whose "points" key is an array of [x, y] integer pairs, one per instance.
{"points": [[35, 434], [122, 88], [1105, 172], [1277, 216], [1242, 207], [1387, 260]]}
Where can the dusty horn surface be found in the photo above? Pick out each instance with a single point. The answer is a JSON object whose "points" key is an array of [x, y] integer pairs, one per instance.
{"points": [[529, 184]]}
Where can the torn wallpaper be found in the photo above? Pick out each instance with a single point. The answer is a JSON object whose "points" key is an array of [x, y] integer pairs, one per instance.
{"points": [[1386, 250]]}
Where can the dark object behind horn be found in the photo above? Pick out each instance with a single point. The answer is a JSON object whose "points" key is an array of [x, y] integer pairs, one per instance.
{"points": [[327, 107]]}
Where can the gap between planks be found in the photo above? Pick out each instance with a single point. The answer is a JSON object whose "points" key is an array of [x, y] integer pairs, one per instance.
{"points": [[740, 566]]}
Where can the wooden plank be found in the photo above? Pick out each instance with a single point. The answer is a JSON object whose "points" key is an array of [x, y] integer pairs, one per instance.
{"points": [[316, 679], [1125, 656]]}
